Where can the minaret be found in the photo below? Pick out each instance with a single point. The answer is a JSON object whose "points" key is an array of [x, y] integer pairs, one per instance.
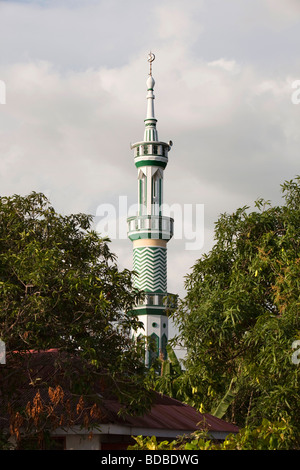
{"points": [[150, 231]]}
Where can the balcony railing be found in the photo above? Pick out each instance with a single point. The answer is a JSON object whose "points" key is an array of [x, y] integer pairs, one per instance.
{"points": [[159, 300], [157, 226]]}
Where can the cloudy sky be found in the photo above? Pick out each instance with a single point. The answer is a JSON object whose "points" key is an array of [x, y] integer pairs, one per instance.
{"points": [[75, 75]]}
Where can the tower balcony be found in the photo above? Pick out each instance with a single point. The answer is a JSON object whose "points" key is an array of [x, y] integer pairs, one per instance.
{"points": [[151, 153], [166, 300], [150, 226], [156, 304]]}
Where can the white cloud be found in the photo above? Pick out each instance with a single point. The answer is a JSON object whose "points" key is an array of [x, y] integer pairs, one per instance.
{"points": [[176, 23], [228, 65], [285, 12]]}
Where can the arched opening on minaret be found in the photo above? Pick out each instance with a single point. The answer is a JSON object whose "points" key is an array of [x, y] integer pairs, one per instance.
{"points": [[153, 349], [157, 180], [142, 189]]}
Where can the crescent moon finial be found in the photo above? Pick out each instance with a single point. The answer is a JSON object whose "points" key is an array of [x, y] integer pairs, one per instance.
{"points": [[150, 58]]}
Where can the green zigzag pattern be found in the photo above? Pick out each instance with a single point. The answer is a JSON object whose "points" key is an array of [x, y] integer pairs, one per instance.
{"points": [[150, 263]]}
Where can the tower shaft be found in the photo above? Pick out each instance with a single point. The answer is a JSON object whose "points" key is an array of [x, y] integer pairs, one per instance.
{"points": [[150, 231]]}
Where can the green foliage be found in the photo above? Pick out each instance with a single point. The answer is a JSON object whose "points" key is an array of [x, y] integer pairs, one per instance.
{"points": [[151, 443], [58, 276], [267, 436], [169, 380], [225, 402], [60, 287], [240, 316]]}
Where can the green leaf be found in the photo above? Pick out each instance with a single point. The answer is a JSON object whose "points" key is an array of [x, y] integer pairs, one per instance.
{"points": [[226, 401]]}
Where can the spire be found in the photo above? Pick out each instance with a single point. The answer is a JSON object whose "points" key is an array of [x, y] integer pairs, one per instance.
{"points": [[150, 134]]}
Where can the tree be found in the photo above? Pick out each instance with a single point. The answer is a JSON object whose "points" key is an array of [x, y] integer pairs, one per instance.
{"points": [[266, 436], [240, 317], [60, 287]]}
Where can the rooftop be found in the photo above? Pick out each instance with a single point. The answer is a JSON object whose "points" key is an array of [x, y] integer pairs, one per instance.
{"points": [[167, 417]]}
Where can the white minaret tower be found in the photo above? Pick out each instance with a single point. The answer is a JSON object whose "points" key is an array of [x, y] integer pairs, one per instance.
{"points": [[150, 231]]}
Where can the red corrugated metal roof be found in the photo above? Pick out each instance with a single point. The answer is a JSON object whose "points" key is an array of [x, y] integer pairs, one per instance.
{"points": [[168, 413]]}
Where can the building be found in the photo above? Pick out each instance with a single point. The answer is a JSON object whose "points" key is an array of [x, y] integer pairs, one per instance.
{"points": [[150, 231], [82, 428]]}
